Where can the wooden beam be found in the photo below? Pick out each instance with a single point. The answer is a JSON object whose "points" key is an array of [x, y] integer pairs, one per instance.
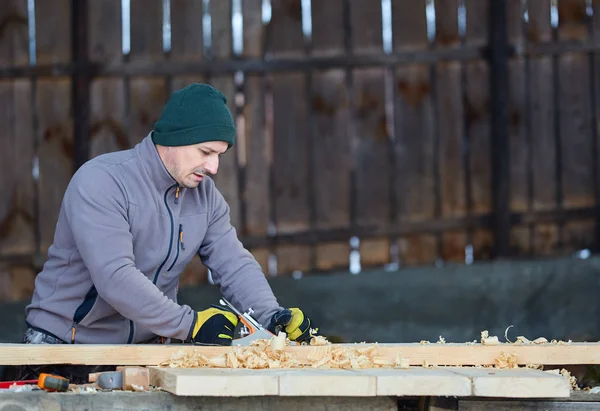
{"points": [[432, 354], [452, 381]]}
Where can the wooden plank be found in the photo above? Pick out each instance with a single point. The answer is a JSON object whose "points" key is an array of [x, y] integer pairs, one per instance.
{"points": [[365, 23], [477, 109], [52, 31], [226, 179], [55, 152], [215, 382], [522, 383], [370, 141], [326, 382], [284, 31], [419, 381], [16, 136], [290, 160], [147, 94], [187, 39], [409, 25], [519, 144], [449, 354], [290, 164], [332, 256], [105, 31], [331, 173], [146, 31], [576, 138], [327, 27], [257, 160], [254, 30], [543, 156], [414, 143], [450, 127], [107, 109]]}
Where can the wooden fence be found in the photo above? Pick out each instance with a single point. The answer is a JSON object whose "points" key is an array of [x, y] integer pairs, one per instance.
{"points": [[402, 131]]}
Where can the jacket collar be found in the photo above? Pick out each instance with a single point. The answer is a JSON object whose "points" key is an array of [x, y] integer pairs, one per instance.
{"points": [[153, 164]]}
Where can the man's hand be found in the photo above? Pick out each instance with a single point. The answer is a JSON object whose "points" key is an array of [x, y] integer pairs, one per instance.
{"points": [[214, 326], [294, 323]]}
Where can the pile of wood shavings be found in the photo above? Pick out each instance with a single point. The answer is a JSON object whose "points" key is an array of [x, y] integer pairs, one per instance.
{"points": [[262, 354]]}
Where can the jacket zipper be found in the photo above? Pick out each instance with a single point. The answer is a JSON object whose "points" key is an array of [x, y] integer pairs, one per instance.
{"points": [[170, 236], [179, 245]]}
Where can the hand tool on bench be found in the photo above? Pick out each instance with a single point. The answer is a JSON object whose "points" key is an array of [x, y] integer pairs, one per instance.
{"points": [[250, 330], [50, 382], [124, 378]]}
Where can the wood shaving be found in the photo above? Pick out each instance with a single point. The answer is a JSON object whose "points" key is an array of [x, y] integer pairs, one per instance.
{"points": [[522, 340], [506, 361], [484, 334], [540, 340], [490, 341], [565, 373], [262, 354], [423, 342], [441, 340]]}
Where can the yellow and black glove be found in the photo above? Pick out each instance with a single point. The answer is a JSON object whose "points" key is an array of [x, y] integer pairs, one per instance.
{"points": [[294, 323], [214, 326]]}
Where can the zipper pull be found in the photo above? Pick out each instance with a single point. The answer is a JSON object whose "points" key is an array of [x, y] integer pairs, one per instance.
{"points": [[181, 236], [177, 195], [73, 334]]}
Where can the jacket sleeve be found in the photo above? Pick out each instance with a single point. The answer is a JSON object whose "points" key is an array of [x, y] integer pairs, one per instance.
{"points": [[96, 208], [233, 267]]}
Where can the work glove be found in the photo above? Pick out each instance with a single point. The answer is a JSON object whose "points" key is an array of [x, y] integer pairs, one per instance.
{"points": [[214, 326], [294, 323]]}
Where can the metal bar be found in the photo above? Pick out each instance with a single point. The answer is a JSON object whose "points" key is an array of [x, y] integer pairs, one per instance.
{"points": [[253, 65], [80, 83], [498, 58], [247, 65], [402, 227]]}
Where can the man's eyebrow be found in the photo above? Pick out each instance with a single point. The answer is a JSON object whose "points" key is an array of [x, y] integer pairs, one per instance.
{"points": [[210, 150]]}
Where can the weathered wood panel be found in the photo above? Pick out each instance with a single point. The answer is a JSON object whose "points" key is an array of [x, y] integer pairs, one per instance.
{"points": [[327, 27], [187, 37], [414, 128], [290, 131], [108, 130], [450, 129], [477, 122], [17, 212], [290, 166], [256, 159], [543, 156], [147, 94], [284, 31], [520, 149], [576, 137], [370, 134]]}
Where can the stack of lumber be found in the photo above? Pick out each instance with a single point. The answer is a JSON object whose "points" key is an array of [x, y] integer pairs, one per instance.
{"points": [[519, 370]]}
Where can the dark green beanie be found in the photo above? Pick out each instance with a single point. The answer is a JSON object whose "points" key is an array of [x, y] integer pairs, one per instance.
{"points": [[195, 114]]}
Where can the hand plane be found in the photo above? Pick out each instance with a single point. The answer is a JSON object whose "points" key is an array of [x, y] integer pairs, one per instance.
{"points": [[248, 328]]}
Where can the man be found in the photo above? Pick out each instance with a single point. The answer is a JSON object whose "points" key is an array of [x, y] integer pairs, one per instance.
{"points": [[129, 224]]}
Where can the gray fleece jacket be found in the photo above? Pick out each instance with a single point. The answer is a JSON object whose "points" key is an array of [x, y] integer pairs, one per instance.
{"points": [[125, 233]]}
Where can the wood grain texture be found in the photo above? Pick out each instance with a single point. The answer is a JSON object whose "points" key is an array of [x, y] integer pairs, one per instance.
{"points": [[327, 382], [419, 381], [215, 382], [522, 383], [449, 354]]}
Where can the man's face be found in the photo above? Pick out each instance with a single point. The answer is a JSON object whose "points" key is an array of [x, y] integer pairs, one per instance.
{"points": [[188, 164]]}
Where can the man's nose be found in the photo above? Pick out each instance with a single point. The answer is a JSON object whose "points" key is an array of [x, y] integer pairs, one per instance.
{"points": [[212, 166]]}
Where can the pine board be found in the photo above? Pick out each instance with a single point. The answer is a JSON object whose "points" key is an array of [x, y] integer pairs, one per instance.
{"points": [[460, 382], [433, 354]]}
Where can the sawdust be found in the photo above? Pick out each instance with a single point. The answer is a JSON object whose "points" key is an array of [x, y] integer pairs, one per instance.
{"points": [[566, 374], [263, 354], [506, 361]]}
